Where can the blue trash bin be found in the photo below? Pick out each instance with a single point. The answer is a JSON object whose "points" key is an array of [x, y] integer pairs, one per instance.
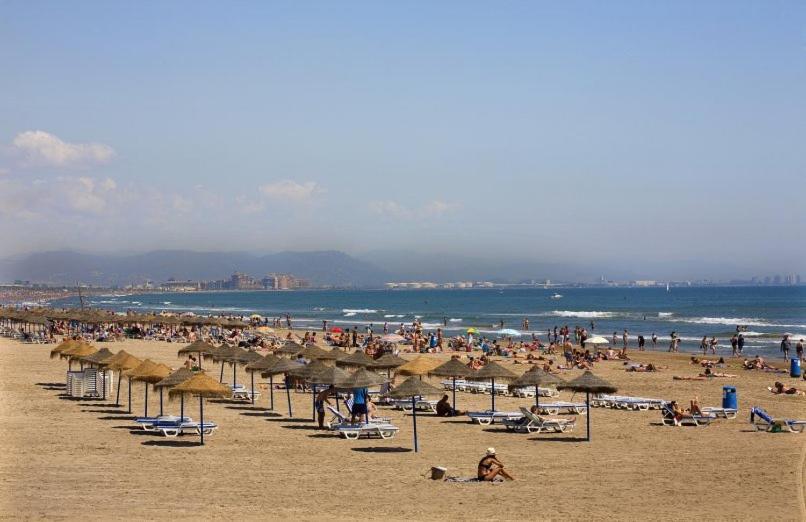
{"points": [[729, 398], [794, 367]]}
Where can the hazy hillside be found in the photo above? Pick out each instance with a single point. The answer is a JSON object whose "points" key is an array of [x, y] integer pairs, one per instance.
{"points": [[68, 267]]}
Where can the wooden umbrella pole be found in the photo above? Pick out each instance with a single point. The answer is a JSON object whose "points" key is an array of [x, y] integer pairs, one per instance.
{"points": [[252, 375], [414, 420], [201, 416], [454, 394], [588, 420], [145, 414], [288, 394], [492, 390]]}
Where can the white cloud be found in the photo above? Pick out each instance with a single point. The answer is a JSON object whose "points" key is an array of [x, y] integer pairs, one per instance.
{"points": [[40, 148], [288, 190], [431, 209], [85, 194]]}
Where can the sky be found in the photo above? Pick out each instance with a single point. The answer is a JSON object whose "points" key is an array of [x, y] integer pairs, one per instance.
{"points": [[617, 132]]}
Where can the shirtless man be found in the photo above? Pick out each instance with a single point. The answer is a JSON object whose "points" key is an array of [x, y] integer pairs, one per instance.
{"points": [[490, 467], [322, 398]]}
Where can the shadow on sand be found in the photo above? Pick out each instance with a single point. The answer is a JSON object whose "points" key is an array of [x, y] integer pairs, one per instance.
{"points": [[172, 443], [382, 449]]}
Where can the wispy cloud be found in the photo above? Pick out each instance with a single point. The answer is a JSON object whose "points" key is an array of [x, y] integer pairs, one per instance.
{"points": [[40, 148], [287, 190], [394, 209]]}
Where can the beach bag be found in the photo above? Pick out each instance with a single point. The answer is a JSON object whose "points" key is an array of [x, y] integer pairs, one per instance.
{"points": [[438, 472]]}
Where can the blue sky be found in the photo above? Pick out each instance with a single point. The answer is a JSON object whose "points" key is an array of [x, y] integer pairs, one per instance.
{"points": [[643, 131]]}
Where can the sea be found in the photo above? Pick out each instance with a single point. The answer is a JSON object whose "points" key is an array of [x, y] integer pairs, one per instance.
{"points": [[765, 313]]}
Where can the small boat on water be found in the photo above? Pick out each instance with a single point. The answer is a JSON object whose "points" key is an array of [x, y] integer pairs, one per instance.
{"points": [[557, 296]]}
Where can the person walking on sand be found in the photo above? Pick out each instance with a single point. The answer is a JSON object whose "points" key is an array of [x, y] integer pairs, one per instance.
{"points": [[704, 345], [785, 346], [490, 467]]}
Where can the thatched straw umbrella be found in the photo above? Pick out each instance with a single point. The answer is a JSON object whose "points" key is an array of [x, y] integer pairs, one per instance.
{"points": [[453, 369], [199, 347], [283, 366], [175, 379], [62, 346], [420, 365], [306, 372], [290, 349], [412, 388], [121, 362], [149, 372], [230, 354], [264, 363], [327, 355], [388, 362], [356, 360], [77, 352], [493, 371], [359, 380], [313, 353], [331, 376], [589, 383], [536, 377], [204, 386]]}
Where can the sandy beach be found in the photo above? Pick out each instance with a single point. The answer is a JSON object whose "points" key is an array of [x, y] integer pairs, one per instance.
{"points": [[68, 459]]}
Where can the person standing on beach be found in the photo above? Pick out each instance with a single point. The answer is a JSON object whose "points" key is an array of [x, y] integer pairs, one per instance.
{"points": [[734, 345], [626, 338], [704, 345], [324, 325], [654, 340], [741, 344], [385, 328], [785, 346], [615, 339], [641, 343], [355, 337], [799, 350], [713, 344], [321, 399], [526, 323]]}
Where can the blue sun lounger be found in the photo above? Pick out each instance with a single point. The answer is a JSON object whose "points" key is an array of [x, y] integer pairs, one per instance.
{"points": [[763, 421]]}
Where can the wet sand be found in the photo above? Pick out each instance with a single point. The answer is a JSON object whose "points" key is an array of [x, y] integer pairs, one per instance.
{"points": [[66, 459]]}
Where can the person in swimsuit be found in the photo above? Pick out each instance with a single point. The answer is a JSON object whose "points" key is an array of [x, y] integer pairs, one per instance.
{"points": [[321, 399], [490, 467]]}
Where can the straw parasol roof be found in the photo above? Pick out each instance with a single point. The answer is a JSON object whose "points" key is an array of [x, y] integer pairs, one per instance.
{"points": [[62, 346], [176, 378], [589, 383], [330, 375], [452, 368], [335, 354], [150, 372], [264, 363], [308, 371], [228, 353], [413, 387], [418, 366], [289, 348], [98, 357], [537, 377], [281, 366], [312, 352], [122, 361], [202, 385], [493, 370], [197, 347], [389, 361], [249, 357], [357, 359], [78, 351], [362, 378]]}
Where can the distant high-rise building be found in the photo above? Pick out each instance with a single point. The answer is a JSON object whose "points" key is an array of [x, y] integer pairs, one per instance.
{"points": [[767, 280], [776, 280], [797, 279]]}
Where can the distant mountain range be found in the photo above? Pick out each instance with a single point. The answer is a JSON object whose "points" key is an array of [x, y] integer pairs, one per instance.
{"points": [[69, 267]]}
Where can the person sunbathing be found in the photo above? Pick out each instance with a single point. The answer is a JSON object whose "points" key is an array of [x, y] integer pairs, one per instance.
{"points": [[679, 412], [642, 368], [709, 373], [779, 389], [694, 407], [490, 467]]}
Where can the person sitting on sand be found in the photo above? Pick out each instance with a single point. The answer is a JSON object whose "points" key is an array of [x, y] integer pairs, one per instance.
{"points": [[444, 408], [778, 388], [490, 467]]}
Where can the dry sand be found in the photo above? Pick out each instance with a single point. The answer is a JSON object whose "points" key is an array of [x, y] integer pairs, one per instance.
{"points": [[80, 459]]}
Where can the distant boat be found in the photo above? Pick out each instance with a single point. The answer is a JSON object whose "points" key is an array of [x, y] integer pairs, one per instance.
{"points": [[667, 287], [557, 296]]}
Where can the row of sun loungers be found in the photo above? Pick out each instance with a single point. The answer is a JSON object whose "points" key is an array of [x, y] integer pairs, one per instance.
{"points": [[419, 404], [623, 402], [172, 426], [531, 423], [500, 389], [376, 427]]}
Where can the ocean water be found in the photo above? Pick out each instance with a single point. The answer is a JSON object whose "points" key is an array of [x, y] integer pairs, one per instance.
{"points": [[768, 312]]}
